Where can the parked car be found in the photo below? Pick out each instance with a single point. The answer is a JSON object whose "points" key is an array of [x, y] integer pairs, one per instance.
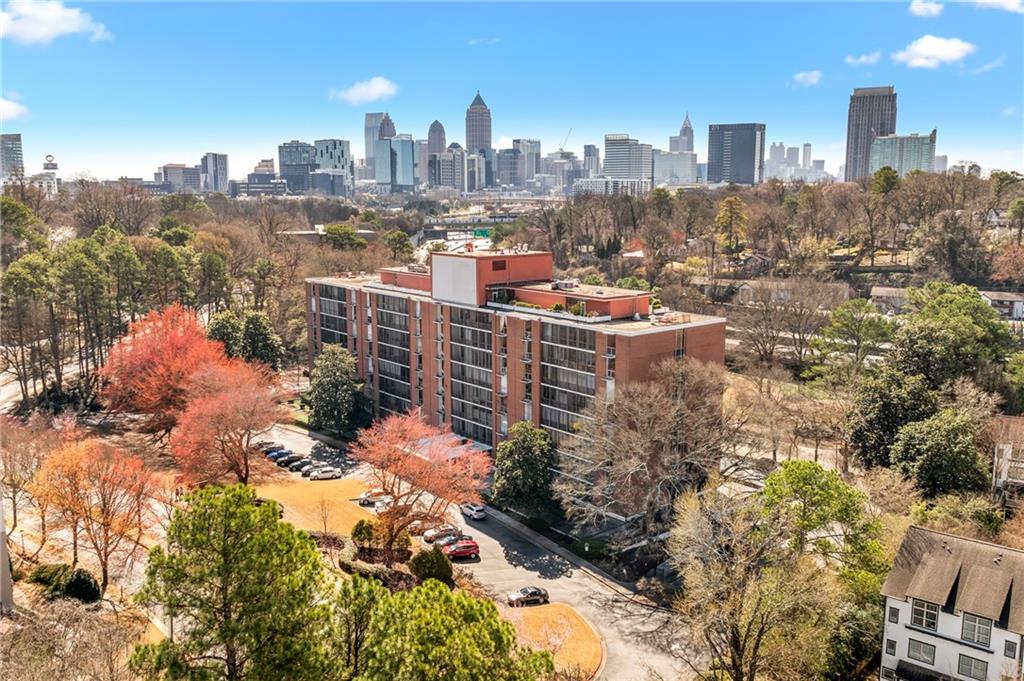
{"points": [[284, 461], [418, 527], [383, 504], [267, 446], [473, 511], [371, 496], [436, 533], [274, 456], [308, 469], [526, 596], [300, 464], [451, 539], [325, 473], [462, 549]]}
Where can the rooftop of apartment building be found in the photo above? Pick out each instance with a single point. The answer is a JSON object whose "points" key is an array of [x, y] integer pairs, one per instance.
{"points": [[520, 282]]}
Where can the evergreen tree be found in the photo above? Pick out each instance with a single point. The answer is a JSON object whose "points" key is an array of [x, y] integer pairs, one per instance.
{"points": [[260, 342], [226, 327], [522, 470], [331, 390]]}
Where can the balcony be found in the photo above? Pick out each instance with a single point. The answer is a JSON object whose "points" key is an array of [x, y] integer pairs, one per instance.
{"points": [[609, 353], [527, 357]]}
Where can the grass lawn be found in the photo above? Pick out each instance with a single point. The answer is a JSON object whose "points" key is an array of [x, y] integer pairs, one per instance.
{"points": [[563, 631], [303, 499]]}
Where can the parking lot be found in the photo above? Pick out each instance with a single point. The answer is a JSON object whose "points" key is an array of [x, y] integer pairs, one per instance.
{"points": [[635, 637]]}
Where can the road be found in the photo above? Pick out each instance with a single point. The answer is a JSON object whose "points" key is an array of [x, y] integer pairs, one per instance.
{"points": [[637, 638]]}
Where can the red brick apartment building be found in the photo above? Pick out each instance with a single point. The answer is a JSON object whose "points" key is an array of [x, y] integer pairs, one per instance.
{"points": [[472, 340]]}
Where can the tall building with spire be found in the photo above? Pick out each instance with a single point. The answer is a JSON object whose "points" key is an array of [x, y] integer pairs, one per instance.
{"points": [[436, 143], [684, 140], [478, 125], [387, 128], [872, 114]]}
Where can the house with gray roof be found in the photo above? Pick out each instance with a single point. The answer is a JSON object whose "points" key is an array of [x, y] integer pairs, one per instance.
{"points": [[954, 609]]}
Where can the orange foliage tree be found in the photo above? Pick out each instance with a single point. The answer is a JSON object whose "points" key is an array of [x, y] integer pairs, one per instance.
{"points": [[104, 496], [422, 468], [229, 404], [23, 447], [150, 369]]}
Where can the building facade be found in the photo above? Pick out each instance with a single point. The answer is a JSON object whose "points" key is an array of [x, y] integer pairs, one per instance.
{"points": [[371, 133], [903, 153], [478, 125], [736, 153], [395, 163], [954, 609], [436, 143], [511, 167], [297, 160], [213, 173], [180, 177], [12, 158], [626, 158], [448, 168], [591, 160], [529, 151], [611, 186], [872, 114], [480, 340], [675, 167]]}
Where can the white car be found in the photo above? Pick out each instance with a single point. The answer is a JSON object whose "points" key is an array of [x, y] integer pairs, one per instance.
{"points": [[327, 473], [473, 511], [442, 531], [383, 503], [371, 496]]}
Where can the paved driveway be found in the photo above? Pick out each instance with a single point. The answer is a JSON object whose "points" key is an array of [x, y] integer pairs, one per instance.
{"points": [[637, 639]]}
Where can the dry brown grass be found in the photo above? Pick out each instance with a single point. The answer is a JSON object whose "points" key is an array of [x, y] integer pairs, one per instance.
{"points": [[305, 502], [558, 628]]}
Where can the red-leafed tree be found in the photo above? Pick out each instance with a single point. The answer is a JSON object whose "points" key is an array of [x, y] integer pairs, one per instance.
{"points": [[149, 370], [103, 494], [229, 404], [422, 468]]}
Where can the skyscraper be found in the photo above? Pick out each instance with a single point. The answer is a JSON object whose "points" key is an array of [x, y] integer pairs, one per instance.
{"points": [[736, 153], [371, 133], [624, 157], [448, 168], [792, 157], [213, 173], [395, 163], [807, 156], [683, 141], [529, 153], [591, 160], [422, 173], [510, 167], [296, 160], [777, 154], [478, 125], [941, 162], [872, 114], [12, 161], [435, 138], [334, 175], [903, 153], [387, 127]]}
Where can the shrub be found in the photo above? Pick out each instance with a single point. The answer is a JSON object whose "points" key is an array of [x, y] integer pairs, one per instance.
{"points": [[558, 307], [61, 581], [522, 303], [362, 533], [577, 309], [432, 564]]}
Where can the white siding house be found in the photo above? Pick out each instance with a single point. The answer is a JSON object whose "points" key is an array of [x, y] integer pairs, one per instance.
{"points": [[954, 609]]}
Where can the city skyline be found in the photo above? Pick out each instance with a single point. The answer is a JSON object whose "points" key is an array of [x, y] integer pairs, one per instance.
{"points": [[150, 115]]}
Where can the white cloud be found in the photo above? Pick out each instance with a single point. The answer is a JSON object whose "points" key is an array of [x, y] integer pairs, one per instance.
{"points": [[483, 41], [924, 8], [10, 109], [807, 78], [376, 89], [32, 22], [864, 59], [504, 142], [1009, 5], [928, 52], [994, 64]]}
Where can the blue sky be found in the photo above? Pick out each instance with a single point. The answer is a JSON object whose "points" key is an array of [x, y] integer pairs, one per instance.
{"points": [[120, 88]]}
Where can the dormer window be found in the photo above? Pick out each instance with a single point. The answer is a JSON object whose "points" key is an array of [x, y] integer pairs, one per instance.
{"points": [[924, 615], [976, 629]]}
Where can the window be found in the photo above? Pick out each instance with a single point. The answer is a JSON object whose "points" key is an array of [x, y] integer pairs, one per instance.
{"points": [[922, 652], [972, 668], [888, 674], [924, 615], [976, 629], [498, 265], [890, 646], [1010, 649], [894, 615]]}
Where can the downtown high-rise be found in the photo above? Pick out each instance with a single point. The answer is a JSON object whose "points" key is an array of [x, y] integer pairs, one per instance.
{"points": [[903, 153], [12, 160], [297, 160], [684, 140], [736, 153], [626, 158], [872, 114], [478, 125], [213, 173], [436, 143], [371, 133]]}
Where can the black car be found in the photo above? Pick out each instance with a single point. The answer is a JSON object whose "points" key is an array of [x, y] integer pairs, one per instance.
{"points": [[285, 461], [451, 539], [298, 465], [268, 447]]}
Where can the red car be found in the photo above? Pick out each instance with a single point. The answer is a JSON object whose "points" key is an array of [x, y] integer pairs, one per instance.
{"points": [[466, 548]]}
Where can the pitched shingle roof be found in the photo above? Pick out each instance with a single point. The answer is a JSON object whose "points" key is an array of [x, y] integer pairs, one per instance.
{"points": [[982, 578]]}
